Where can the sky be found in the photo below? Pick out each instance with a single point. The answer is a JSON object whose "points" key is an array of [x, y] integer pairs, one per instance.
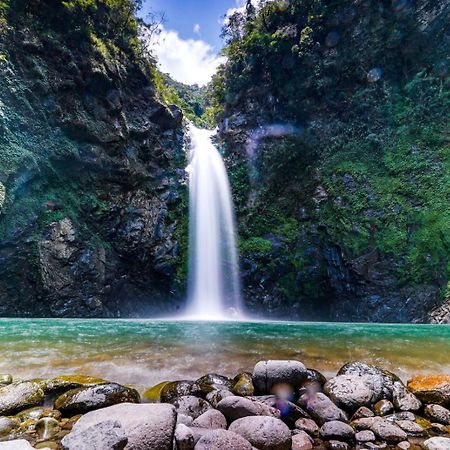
{"points": [[189, 45]]}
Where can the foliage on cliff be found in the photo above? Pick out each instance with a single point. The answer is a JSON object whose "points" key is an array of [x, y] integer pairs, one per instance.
{"points": [[358, 159]]}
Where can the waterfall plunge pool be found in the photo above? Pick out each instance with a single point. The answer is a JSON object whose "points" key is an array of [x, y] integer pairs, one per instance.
{"points": [[142, 353]]}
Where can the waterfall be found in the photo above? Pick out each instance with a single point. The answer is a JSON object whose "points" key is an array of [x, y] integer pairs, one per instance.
{"points": [[214, 288]]}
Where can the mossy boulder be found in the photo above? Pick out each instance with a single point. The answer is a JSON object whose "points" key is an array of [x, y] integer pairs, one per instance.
{"points": [[67, 382], [8, 425], [175, 389], [153, 394], [85, 399], [18, 396], [214, 381], [243, 384]]}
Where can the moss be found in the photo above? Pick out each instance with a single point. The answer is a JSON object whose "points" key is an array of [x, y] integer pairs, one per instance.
{"points": [[255, 245]]}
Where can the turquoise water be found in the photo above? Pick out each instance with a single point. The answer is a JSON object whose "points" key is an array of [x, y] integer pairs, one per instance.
{"points": [[145, 352]]}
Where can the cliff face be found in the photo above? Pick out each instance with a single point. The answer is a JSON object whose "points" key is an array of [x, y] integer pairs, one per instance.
{"points": [[90, 179], [334, 121]]}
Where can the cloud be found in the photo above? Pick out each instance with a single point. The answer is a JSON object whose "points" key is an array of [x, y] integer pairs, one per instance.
{"points": [[197, 28], [190, 61]]}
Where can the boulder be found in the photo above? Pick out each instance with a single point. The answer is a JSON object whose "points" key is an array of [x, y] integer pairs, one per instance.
{"points": [[321, 408], [191, 406], [85, 399], [410, 427], [314, 382], [211, 419], [108, 435], [388, 431], [302, 441], [437, 443], [67, 382], [266, 374], [365, 436], [214, 397], [19, 444], [403, 399], [438, 414], [336, 430], [145, 425], [234, 408], [431, 389], [153, 394], [382, 378], [17, 396], [383, 407], [215, 381], [8, 425], [264, 433], [362, 412], [175, 389], [353, 391], [222, 440], [307, 425], [365, 423], [184, 438], [243, 384]]}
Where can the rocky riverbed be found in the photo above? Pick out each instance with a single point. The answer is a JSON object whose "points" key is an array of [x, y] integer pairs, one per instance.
{"points": [[281, 405]]}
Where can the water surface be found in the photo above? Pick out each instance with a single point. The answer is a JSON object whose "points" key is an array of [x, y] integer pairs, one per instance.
{"points": [[144, 352]]}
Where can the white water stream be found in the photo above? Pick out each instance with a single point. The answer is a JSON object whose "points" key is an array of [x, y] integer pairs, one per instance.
{"points": [[214, 288]]}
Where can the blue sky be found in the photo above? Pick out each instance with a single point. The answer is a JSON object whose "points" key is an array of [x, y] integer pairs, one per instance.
{"points": [[189, 45]]}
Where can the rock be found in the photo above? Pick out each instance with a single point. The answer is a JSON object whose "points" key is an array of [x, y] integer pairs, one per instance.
{"points": [[264, 433], [314, 382], [365, 436], [8, 425], [107, 435], [307, 425], [222, 440], [336, 430], [146, 425], [266, 374], [46, 428], [185, 420], [438, 414], [321, 408], [383, 407], [176, 389], [382, 378], [2, 195], [5, 378], [362, 412], [289, 411], [301, 441], [404, 445], [431, 389], [67, 382], [404, 415], [38, 412], [243, 385], [337, 445], [214, 397], [211, 419], [388, 431], [20, 444], [191, 406], [17, 396], [437, 443], [213, 380], [153, 394], [84, 399], [234, 408], [354, 391], [365, 423], [403, 399], [184, 438], [411, 428]]}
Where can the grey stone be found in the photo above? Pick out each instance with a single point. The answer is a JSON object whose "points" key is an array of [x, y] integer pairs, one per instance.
{"points": [[365, 423], [108, 435], [215, 396], [354, 391], [301, 441], [383, 407], [222, 440], [365, 436], [211, 419], [404, 445], [17, 396], [437, 443], [234, 408], [184, 438], [185, 420], [191, 406], [264, 433], [266, 374], [362, 412], [336, 430], [388, 431], [411, 428], [145, 425], [19, 444], [307, 425], [321, 408], [171, 391], [438, 414], [84, 399], [403, 399]]}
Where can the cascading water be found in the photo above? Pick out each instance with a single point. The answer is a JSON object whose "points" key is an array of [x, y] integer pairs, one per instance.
{"points": [[214, 288]]}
